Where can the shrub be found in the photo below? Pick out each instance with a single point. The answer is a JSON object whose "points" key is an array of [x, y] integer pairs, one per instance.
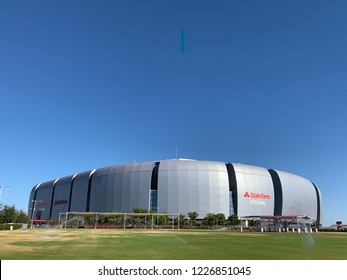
{"points": [[8, 226]]}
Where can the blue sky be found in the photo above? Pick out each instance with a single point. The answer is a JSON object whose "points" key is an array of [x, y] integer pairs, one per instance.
{"points": [[87, 84]]}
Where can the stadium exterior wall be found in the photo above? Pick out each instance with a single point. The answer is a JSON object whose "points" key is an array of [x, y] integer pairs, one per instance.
{"points": [[178, 186]]}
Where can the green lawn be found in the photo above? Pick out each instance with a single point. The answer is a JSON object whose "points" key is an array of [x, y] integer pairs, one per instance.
{"points": [[100, 244]]}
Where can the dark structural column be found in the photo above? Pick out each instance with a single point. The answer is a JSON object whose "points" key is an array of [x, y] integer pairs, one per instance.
{"points": [[318, 202], [232, 187], [89, 191], [278, 192], [153, 203]]}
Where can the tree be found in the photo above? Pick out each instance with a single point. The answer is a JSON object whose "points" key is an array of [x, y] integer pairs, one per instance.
{"points": [[88, 219], [9, 214], [118, 217], [180, 220], [220, 218], [234, 220], [210, 219], [140, 210], [104, 219], [139, 219], [192, 217], [22, 217], [164, 220]]}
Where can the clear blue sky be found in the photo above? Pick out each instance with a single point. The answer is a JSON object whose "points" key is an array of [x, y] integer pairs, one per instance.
{"points": [[87, 84]]}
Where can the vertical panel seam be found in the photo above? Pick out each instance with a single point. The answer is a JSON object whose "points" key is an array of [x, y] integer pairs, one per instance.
{"points": [[232, 186], [52, 198], [278, 192], [318, 202], [90, 179], [70, 195]]}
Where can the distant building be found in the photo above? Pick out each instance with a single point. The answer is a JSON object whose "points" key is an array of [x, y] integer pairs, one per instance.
{"points": [[339, 226], [178, 186]]}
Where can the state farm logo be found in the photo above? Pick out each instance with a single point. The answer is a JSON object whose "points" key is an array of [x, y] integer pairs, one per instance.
{"points": [[60, 202], [256, 195]]}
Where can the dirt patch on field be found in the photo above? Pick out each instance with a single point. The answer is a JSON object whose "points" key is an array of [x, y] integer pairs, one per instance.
{"points": [[10, 239]]}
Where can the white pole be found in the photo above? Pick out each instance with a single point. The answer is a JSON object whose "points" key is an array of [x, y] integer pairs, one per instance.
{"points": [[32, 215], [66, 214]]}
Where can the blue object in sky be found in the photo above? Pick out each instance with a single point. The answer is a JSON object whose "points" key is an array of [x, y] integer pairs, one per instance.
{"points": [[182, 41]]}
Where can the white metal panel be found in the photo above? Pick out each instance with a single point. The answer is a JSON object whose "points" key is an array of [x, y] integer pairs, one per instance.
{"points": [[254, 190], [187, 186], [61, 196], [299, 195], [80, 192], [183, 186], [43, 200]]}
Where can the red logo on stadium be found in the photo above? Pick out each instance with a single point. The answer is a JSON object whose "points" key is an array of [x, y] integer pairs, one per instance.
{"points": [[246, 194], [61, 201], [256, 195]]}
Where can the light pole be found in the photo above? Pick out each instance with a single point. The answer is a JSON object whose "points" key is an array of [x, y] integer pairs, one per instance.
{"points": [[1, 187], [32, 215]]}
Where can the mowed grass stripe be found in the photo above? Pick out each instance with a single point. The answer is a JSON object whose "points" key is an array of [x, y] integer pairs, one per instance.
{"points": [[89, 244]]}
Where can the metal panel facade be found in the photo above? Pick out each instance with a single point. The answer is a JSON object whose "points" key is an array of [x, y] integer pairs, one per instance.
{"points": [[43, 201], [121, 188], [31, 201], [299, 195], [319, 200], [61, 196], [187, 186], [183, 186], [255, 191], [80, 192]]}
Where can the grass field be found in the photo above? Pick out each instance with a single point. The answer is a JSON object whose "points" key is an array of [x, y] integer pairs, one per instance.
{"points": [[108, 244]]}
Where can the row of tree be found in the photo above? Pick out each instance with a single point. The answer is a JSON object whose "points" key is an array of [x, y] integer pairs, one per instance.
{"points": [[9, 214], [194, 215], [210, 220]]}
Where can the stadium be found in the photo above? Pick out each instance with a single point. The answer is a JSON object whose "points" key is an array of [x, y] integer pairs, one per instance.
{"points": [[178, 186]]}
